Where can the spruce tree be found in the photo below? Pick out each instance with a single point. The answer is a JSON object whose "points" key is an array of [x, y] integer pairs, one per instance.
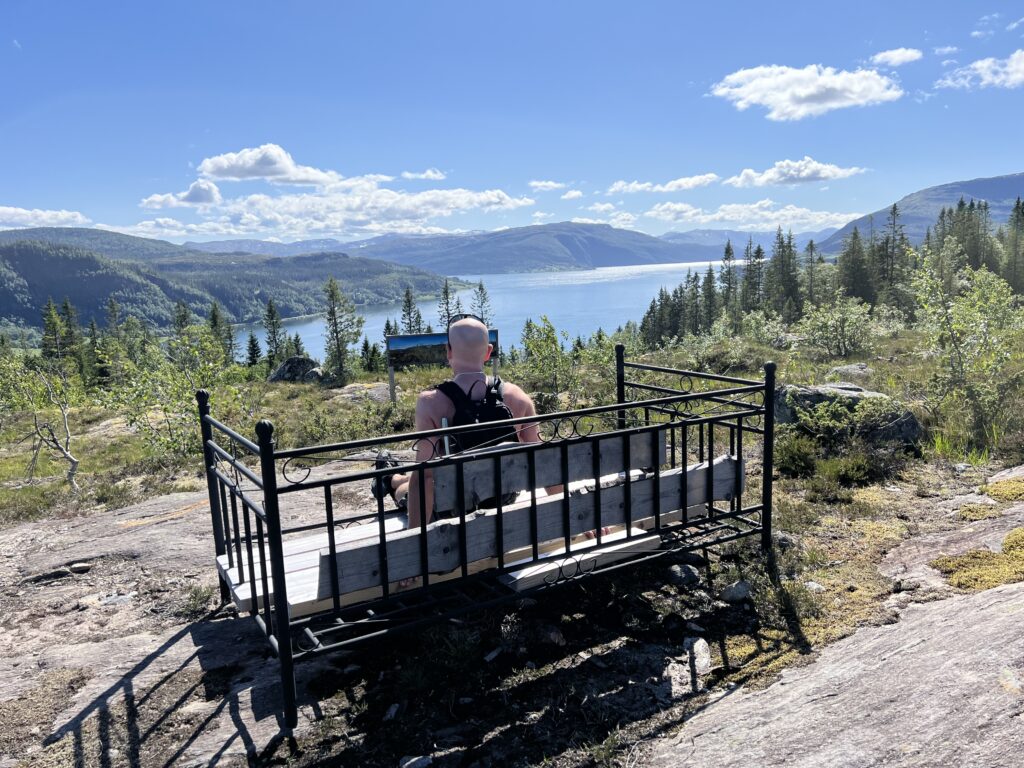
{"points": [[446, 305], [253, 353], [52, 346], [855, 277], [811, 265], [481, 304], [274, 335], [221, 330], [708, 300], [412, 320], [343, 327], [752, 290], [182, 318]]}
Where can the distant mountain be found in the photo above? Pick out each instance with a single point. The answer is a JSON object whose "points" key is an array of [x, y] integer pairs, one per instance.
{"points": [[32, 272], [268, 247], [918, 211], [718, 237], [113, 245], [566, 245]]}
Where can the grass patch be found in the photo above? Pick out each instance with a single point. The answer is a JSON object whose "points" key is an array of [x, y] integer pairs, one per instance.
{"points": [[195, 604], [983, 569]]}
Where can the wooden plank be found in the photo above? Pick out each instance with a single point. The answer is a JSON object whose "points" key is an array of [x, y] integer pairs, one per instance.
{"points": [[614, 547], [358, 564], [478, 474]]}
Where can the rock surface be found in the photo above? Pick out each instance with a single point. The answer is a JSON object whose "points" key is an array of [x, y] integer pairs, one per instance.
{"points": [[851, 372], [944, 686], [1014, 473], [898, 423], [293, 369]]}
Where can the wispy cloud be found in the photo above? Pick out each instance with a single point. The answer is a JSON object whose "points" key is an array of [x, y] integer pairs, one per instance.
{"points": [[896, 57], [546, 186], [431, 174], [200, 192], [35, 217], [977, 34], [676, 185], [987, 73], [945, 50], [790, 93], [792, 172], [1009, 27], [601, 207], [540, 216], [764, 214], [16, 44], [572, 194]]}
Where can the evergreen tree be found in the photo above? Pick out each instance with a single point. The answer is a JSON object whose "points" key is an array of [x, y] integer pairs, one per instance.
{"points": [[782, 281], [274, 335], [364, 354], [389, 329], [222, 330], [446, 305], [343, 327], [254, 354], [708, 300], [481, 304], [114, 318], [53, 332], [854, 273], [728, 282], [752, 290], [182, 318], [692, 313], [812, 262], [412, 320]]}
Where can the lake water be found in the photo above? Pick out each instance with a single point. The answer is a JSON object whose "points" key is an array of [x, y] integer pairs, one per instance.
{"points": [[578, 302]]}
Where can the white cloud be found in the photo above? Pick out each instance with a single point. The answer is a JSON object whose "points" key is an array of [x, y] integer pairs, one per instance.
{"points": [[540, 216], [1009, 27], [585, 220], [945, 50], [34, 217], [601, 207], [676, 185], [199, 192], [896, 57], [431, 174], [792, 172], [269, 162], [622, 219], [16, 44], [572, 194], [789, 93], [949, 62], [986, 73], [977, 34], [764, 214], [546, 186]]}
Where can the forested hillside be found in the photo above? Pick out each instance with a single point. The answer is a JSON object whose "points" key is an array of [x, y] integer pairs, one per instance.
{"points": [[32, 272]]}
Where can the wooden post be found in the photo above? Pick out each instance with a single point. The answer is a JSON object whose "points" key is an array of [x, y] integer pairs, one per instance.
{"points": [[620, 384], [769, 456], [281, 622], [203, 399], [391, 383]]}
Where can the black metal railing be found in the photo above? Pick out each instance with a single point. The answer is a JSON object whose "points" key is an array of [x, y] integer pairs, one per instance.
{"points": [[645, 464]]}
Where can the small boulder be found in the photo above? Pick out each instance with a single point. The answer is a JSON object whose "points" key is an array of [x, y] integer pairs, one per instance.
{"points": [[313, 376], [294, 369], [684, 575], [737, 592], [851, 372], [699, 654]]}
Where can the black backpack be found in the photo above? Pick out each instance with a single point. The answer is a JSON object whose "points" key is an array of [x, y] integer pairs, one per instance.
{"points": [[485, 411]]}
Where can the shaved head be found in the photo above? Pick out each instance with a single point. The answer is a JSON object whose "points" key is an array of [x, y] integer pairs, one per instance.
{"points": [[468, 345]]}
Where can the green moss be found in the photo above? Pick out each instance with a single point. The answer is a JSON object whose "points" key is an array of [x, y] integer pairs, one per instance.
{"points": [[983, 569], [973, 512], [1006, 490]]}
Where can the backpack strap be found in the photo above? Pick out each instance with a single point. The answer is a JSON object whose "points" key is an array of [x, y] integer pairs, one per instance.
{"points": [[454, 392]]}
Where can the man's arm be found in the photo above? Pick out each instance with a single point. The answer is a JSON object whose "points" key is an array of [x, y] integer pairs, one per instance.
{"points": [[425, 450]]}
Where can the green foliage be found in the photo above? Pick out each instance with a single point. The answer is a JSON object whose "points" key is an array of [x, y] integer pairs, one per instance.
{"points": [[983, 569], [342, 329], [796, 454], [839, 328]]}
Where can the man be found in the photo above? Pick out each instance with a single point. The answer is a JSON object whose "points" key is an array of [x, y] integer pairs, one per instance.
{"points": [[469, 348]]}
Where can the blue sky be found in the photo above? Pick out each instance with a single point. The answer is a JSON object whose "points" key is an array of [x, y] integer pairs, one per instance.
{"points": [[200, 120]]}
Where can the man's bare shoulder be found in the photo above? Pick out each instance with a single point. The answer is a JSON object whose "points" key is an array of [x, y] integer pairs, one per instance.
{"points": [[520, 403], [431, 407]]}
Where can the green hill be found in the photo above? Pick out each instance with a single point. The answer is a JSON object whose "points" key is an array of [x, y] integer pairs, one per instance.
{"points": [[32, 272]]}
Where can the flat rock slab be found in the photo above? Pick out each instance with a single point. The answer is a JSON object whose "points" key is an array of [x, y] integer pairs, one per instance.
{"points": [[942, 687]]}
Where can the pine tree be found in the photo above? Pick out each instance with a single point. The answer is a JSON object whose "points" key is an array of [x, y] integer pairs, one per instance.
{"points": [[221, 330], [274, 335], [253, 353], [752, 291], [114, 318], [53, 332], [364, 354], [811, 264], [481, 304], [343, 327], [728, 282]]}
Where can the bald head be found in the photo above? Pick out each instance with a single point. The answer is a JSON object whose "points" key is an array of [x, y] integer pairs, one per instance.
{"points": [[468, 345]]}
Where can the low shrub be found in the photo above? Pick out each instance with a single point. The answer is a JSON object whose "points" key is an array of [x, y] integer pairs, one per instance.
{"points": [[796, 455]]}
